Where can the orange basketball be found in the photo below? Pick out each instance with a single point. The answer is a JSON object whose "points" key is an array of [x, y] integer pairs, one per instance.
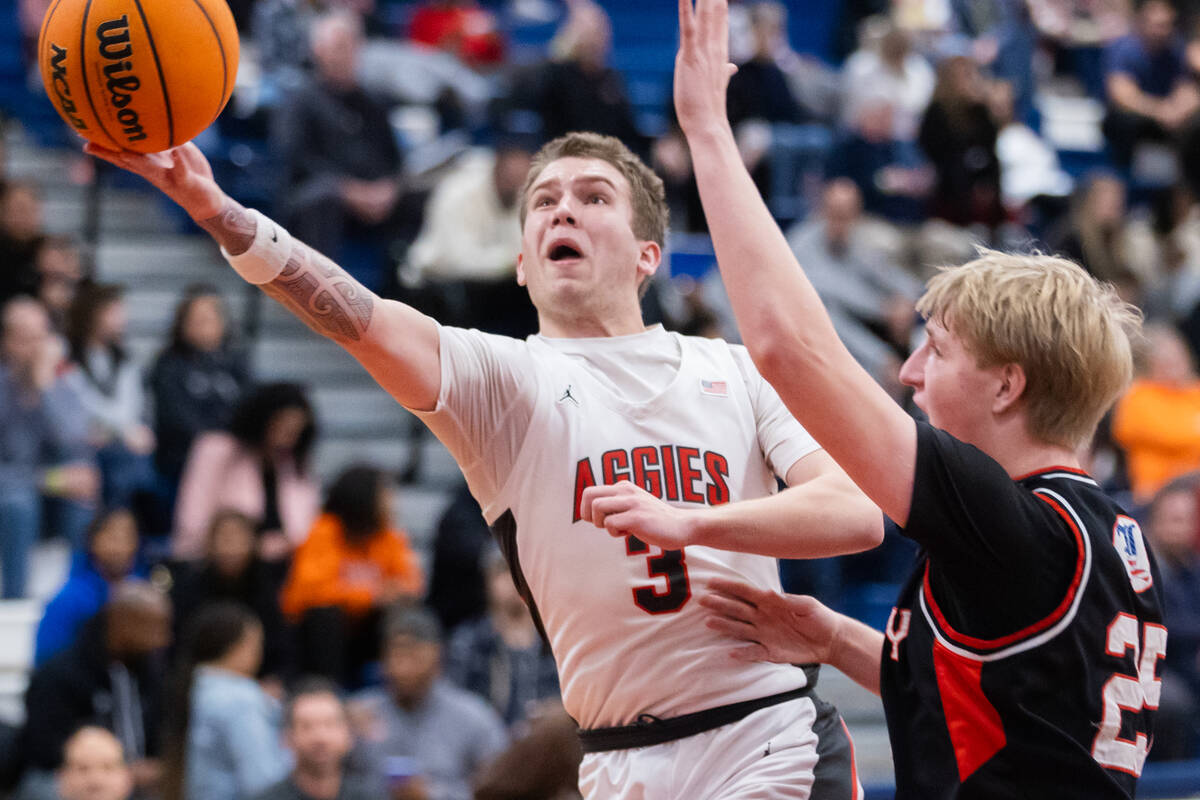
{"points": [[141, 75]]}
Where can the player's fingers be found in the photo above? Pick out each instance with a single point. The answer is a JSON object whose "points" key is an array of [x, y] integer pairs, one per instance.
{"points": [[751, 595], [750, 652], [687, 23], [735, 629], [727, 607], [622, 523], [114, 157]]}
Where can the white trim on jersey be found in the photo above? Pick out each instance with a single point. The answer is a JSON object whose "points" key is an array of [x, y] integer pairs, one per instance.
{"points": [[1070, 476], [1049, 633]]}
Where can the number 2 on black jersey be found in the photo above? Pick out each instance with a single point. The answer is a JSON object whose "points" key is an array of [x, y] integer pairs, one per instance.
{"points": [[669, 564], [1129, 692]]}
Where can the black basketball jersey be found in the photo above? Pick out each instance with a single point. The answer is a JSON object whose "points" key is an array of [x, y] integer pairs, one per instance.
{"points": [[1021, 658]]}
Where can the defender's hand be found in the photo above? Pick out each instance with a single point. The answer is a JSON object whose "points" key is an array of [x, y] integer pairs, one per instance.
{"points": [[702, 68], [784, 628], [181, 173], [624, 509]]}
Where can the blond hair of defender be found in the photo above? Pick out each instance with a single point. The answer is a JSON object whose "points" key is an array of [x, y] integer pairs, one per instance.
{"points": [[1070, 334]]}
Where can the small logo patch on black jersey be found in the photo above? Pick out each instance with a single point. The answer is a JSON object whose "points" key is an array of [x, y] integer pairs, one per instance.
{"points": [[1131, 547]]}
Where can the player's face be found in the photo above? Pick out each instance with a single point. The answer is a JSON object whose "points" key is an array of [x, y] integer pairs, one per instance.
{"points": [[578, 250], [949, 385]]}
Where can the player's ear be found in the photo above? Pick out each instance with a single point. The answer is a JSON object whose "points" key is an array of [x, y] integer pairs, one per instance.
{"points": [[1010, 389], [520, 269], [649, 258]]}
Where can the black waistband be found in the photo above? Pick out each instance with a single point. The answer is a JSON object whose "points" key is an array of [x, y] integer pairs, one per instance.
{"points": [[650, 730]]}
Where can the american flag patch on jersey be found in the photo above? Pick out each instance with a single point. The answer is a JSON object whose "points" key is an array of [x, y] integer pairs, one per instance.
{"points": [[717, 388]]}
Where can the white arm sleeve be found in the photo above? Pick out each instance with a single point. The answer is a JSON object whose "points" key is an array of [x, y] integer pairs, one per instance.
{"points": [[484, 406], [782, 439]]}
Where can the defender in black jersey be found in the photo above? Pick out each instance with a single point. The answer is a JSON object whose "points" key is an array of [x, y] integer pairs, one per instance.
{"points": [[1021, 658]]}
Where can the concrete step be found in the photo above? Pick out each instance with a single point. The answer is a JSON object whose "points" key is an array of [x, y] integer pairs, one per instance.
{"points": [[164, 262]]}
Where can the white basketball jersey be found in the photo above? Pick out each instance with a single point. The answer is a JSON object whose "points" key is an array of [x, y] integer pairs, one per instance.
{"points": [[534, 423]]}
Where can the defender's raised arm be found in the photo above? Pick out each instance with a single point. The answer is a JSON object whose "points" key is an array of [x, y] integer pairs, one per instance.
{"points": [[782, 320]]}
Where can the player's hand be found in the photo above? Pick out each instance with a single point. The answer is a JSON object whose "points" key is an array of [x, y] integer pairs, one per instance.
{"points": [[784, 628], [702, 68], [625, 509], [181, 173]]}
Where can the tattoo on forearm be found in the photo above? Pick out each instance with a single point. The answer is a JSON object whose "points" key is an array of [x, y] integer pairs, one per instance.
{"points": [[323, 295], [233, 228]]}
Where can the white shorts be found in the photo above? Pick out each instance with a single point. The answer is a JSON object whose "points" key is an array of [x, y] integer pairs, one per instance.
{"points": [[770, 755]]}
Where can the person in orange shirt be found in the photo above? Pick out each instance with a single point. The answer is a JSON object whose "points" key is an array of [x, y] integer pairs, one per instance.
{"points": [[1157, 422], [353, 565]]}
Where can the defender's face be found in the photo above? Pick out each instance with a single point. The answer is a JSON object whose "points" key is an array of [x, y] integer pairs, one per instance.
{"points": [[949, 385], [578, 247]]}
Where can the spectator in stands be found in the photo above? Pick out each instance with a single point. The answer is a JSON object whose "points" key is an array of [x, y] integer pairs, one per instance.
{"points": [[20, 237], [280, 30], [456, 584], [958, 136], [542, 763], [852, 263], [759, 94], [108, 677], [501, 656], [1077, 31], [109, 384], [196, 380], [1173, 525], [579, 90], [1157, 422], [460, 27], [890, 174], [59, 274], [473, 267], [1030, 173], [260, 467], [353, 565], [1150, 94], [232, 572], [94, 767], [448, 733], [43, 443], [1094, 234], [886, 68], [341, 166], [222, 740], [109, 557], [317, 731]]}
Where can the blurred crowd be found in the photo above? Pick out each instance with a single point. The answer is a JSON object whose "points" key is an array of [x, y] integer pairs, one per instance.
{"points": [[232, 629]]}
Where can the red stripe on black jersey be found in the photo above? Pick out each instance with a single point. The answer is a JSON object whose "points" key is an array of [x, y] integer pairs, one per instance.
{"points": [[1049, 620], [973, 723], [1044, 470]]}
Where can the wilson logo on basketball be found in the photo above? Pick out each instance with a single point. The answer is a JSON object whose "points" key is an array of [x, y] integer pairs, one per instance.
{"points": [[62, 89], [115, 47]]}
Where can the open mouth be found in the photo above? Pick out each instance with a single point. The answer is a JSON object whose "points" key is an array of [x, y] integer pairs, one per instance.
{"points": [[564, 252]]}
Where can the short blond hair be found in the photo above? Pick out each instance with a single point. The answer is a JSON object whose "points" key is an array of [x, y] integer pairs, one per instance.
{"points": [[1072, 335], [647, 195]]}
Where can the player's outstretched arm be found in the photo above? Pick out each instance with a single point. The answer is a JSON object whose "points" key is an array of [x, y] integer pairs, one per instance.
{"points": [[783, 323], [397, 344], [821, 513], [792, 629]]}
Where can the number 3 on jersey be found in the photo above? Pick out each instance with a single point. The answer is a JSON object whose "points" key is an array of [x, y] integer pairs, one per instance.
{"points": [[667, 564], [1128, 693]]}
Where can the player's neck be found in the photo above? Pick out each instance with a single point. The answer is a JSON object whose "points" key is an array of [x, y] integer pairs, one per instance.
{"points": [[1024, 454], [590, 326]]}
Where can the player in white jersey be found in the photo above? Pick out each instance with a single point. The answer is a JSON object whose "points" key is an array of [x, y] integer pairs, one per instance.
{"points": [[594, 399]]}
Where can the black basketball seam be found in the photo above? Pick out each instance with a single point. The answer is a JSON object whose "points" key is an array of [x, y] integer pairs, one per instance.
{"points": [[83, 30], [46, 27], [221, 47], [162, 81]]}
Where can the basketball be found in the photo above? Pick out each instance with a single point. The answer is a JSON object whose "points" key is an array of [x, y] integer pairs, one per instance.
{"points": [[142, 75]]}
